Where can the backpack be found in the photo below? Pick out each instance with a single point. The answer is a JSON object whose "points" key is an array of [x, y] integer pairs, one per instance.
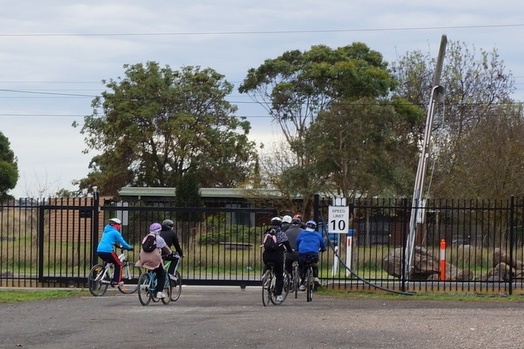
{"points": [[270, 243], [149, 243]]}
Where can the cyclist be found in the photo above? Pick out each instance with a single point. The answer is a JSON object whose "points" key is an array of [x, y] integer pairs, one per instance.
{"points": [[309, 242], [153, 260], [286, 222], [276, 256], [292, 233], [170, 237], [111, 236]]}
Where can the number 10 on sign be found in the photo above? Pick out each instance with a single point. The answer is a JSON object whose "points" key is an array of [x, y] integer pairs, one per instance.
{"points": [[338, 219]]}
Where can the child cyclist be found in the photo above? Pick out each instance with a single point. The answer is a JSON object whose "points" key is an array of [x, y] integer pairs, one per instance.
{"points": [[276, 255], [111, 237], [309, 242], [153, 260]]}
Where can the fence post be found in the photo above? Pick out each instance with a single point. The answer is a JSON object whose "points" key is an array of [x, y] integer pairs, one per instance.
{"points": [[94, 232], [442, 260]]}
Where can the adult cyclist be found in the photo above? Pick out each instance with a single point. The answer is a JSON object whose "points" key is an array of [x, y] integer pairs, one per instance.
{"points": [[171, 239], [111, 237], [309, 242]]}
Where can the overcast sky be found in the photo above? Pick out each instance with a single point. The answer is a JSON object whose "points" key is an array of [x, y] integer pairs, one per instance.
{"points": [[54, 55]]}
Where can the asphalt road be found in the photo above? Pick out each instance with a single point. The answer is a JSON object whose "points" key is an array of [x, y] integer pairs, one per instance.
{"points": [[228, 317]]}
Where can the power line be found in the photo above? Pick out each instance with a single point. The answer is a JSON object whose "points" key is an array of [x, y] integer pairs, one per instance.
{"points": [[265, 31]]}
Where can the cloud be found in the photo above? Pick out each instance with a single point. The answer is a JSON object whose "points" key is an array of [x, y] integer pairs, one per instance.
{"points": [[69, 47]]}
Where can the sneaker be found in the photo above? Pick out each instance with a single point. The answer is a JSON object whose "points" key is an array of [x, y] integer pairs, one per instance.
{"points": [[317, 281], [302, 287], [160, 295], [280, 298], [114, 283]]}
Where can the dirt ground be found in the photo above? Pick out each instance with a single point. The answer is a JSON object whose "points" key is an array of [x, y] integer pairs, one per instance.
{"points": [[228, 317]]}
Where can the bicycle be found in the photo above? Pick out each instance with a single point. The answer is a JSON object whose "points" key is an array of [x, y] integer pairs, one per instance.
{"points": [[101, 275], [147, 284], [176, 284], [310, 281], [269, 281]]}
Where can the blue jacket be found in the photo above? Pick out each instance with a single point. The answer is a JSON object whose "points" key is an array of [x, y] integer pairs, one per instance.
{"points": [[111, 237], [310, 241]]}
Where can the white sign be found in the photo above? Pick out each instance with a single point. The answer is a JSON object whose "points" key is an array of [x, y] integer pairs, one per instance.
{"points": [[338, 219]]}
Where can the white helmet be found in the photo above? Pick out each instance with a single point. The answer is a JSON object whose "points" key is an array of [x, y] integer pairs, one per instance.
{"points": [[286, 219], [115, 221]]}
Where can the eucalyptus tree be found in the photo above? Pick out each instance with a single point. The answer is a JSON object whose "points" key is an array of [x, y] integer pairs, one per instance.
{"points": [[155, 124], [477, 87], [296, 86]]}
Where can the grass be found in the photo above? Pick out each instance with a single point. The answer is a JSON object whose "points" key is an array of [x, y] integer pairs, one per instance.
{"points": [[446, 297], [13, 296]]}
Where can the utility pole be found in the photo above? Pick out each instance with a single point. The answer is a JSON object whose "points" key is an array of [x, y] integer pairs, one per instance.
{"points": [[418, 203]]}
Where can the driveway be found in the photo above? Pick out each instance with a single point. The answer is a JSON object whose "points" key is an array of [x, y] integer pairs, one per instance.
{"points": [[228, 317]]}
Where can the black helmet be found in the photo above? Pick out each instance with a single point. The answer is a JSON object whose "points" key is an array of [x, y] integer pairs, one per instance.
{"points": [[296, 221], [311, 224], [276, 221], [168, 223]]}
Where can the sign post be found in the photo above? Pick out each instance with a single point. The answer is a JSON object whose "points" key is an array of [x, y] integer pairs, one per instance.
{"points": [[338, 222]]}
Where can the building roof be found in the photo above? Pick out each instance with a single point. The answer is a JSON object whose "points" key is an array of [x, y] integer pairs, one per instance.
{"points": [[204, 192]]}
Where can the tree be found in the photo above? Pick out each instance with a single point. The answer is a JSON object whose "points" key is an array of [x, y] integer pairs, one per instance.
{"points": [[296, 86], [156, 124], [367, 147], [477, 88], [8, 168]]}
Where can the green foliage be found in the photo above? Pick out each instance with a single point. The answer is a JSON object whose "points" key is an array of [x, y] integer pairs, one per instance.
{"points": [[297, 87], [188, 195], [8, 167], [156, 124], [223, 233]]}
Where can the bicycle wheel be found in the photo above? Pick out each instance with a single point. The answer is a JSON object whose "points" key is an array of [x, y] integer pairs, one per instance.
{"points": [[296, 279], [288, 283], [266, 287], [168, 290], [97, 280], [144, 289], [272, 286], [176, 287], [309, 284], [129, 272]]}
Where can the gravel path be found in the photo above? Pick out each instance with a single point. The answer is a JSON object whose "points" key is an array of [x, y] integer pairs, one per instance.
{"points": [[228, 317]]}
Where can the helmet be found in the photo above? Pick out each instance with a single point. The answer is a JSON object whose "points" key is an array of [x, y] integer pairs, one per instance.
{"points": [[299, 216], [311, 224], [155, 227], [286, 219], [296, 221], [115, 221], [168, 223], [276, 221]]}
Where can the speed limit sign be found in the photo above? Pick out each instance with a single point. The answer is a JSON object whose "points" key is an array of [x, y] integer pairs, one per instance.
{"points": [[338, 219]]}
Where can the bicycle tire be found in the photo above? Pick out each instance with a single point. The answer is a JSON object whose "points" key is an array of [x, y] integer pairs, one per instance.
{"points": [[296, 279], [129, 273], [97, 286], [272, 286], [287, 286], [168, 290], [309, 284], [144, 289], [176, 290], [266, 282]]}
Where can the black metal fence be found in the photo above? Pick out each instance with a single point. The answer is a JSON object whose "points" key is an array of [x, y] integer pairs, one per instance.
{"points": [[53, 242]]}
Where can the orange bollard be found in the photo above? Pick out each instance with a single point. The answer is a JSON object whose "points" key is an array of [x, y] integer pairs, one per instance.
{"points": [[442, 260]]}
